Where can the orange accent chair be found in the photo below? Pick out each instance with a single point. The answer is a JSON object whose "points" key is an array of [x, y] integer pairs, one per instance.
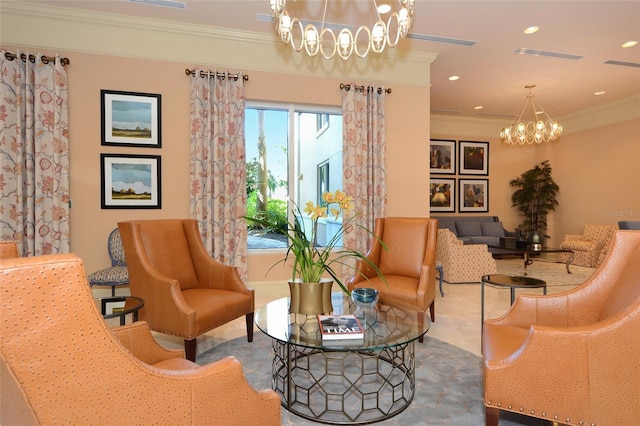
{"points": [[8, 249], [573, 357], [185, 291], [60, 363], [409, 264]]}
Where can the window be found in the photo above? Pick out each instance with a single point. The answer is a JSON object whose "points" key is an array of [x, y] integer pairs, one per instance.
{"points": [[288, 158], [322, 121], [323, 181]]}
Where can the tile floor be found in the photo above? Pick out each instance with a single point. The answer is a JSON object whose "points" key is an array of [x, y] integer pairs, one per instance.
{"points": [[457, 313]]}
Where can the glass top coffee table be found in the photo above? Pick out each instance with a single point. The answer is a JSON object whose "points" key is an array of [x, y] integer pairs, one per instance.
{"points": [[343, 381], [529, 254]]}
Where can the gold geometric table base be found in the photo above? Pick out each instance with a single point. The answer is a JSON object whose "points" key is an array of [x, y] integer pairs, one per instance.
{"points": [[344, 387]]}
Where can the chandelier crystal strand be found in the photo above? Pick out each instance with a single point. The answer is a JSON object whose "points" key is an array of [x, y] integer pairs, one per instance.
{"points": [[324, 41], [541, 128]]}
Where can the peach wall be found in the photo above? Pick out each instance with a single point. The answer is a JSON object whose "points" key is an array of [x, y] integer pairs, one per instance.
{"points": [[598, 172]]}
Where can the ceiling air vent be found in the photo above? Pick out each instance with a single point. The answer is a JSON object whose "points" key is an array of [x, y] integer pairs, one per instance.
{"points": [[438, 39], [535, 52], [162, 3], [622, 63]]}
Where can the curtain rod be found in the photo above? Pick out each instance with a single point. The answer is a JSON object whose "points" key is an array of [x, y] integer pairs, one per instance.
{"points": [[217, 74], [32, 58], [347, 87]]}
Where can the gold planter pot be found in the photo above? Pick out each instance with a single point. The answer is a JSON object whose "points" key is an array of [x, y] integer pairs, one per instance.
{"points": [[311, 298]]}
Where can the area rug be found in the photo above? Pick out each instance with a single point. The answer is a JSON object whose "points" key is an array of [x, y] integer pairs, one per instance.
{"points": [[448, 383]]}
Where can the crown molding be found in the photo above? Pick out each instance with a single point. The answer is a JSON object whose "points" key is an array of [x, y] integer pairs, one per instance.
{"points": [[76, 30]]}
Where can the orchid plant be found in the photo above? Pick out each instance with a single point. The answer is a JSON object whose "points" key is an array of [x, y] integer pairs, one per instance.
{"points": [[311, 261]]}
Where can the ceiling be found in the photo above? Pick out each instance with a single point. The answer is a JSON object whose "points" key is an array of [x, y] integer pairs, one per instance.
{"points": [[491, 74]]}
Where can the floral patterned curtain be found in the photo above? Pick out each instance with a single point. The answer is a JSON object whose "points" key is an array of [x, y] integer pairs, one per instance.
{"points": [[34, 153], [217, 165], [364, 160]]}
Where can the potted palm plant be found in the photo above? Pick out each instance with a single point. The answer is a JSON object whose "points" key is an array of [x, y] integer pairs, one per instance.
{"points": [[535, 197], [310, 292]]}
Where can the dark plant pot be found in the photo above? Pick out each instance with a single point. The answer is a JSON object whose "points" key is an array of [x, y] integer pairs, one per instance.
{"points": [[522, 244]]}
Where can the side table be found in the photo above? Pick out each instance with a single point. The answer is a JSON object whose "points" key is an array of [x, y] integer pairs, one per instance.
{"points": [[132, 305], [511, 281]]}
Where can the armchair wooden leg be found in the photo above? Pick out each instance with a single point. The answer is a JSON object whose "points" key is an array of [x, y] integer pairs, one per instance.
{"points": [[491, 416], [432, 310], [190, 349], [249, 319]]}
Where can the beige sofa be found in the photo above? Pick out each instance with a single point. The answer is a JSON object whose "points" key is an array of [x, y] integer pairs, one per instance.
{"points": [[463, 262]]}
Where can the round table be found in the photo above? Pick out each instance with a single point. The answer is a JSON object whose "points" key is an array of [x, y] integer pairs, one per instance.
{"points": [[353, 381], [512, 282], [132, 305]]}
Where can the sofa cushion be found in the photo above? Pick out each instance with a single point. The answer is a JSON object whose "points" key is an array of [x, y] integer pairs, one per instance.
{"points": [[468, 229], [492, 229], [448, 225]]}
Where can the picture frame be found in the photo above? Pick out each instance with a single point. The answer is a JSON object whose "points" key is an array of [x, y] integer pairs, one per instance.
{"points": [[474, 158], [130, 119], [442, 195], [473, 195], [442, 156], [130, 181]]}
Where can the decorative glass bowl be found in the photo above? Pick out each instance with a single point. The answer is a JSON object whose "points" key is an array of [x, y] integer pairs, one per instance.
{"points": [[365, 300]]}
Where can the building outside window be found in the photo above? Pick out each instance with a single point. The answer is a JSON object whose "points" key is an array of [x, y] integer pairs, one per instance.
{"points": [[288, 158]]}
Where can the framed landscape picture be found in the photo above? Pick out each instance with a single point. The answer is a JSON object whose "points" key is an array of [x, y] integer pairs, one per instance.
{"points": [[474, 158], [442, 156], [130, 119], [442, 197], [130, 181], [474, 195]]}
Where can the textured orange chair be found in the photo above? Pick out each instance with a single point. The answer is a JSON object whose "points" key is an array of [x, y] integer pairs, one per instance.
{"points": [[8, 249], [61, 364], [574, 357], [409, 264], [185, 291]]}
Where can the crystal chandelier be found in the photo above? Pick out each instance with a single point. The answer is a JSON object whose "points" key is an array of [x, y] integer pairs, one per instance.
{"points": [[345, 43], [540, 127]]}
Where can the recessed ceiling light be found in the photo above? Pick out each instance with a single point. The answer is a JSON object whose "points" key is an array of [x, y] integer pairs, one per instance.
{"points": [[478, 107], [384, 8], [454, 78], [531, 30], [601, 92], [630, 43]]}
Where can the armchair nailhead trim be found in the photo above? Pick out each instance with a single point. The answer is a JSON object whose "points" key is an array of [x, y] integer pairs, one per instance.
{"points": [[555, 417], [544, 414], [499, 405], [509, 406], [532, 412], [568, 420], [521, 409]]}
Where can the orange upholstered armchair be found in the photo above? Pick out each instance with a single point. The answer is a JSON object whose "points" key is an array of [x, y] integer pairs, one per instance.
{"points": [[61, 364], [409, 264], [574, 357], [185, 291], [8, 249]]}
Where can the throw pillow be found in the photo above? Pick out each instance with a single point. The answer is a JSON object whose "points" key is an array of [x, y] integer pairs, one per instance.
{"points": [[450, 226], [468, 229], [493, 229]]}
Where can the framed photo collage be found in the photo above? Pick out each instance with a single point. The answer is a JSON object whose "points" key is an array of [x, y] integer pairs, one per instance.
{"points": [[454, 170]]}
